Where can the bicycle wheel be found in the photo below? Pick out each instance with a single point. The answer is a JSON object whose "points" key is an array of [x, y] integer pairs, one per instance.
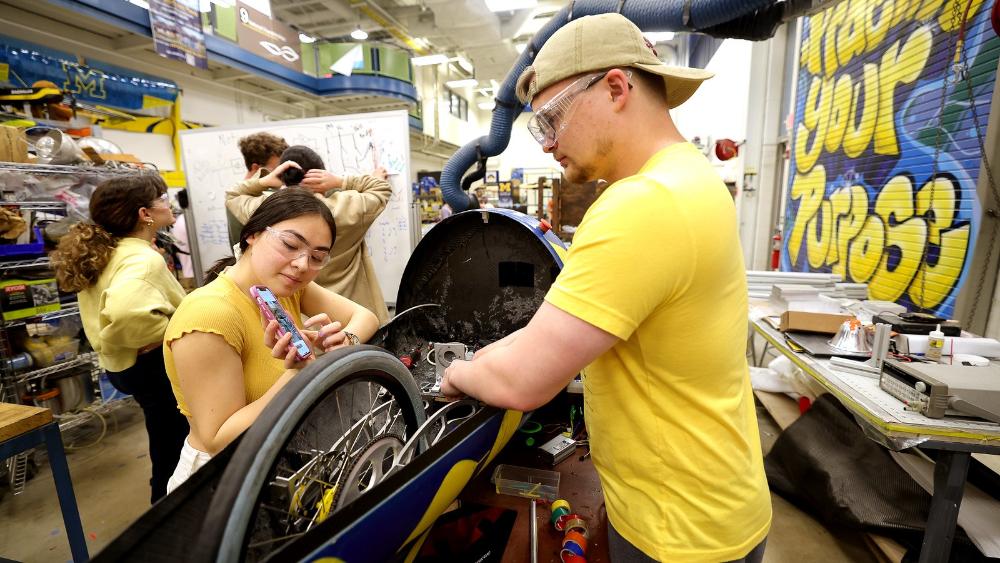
{"points": [[328, 437]]}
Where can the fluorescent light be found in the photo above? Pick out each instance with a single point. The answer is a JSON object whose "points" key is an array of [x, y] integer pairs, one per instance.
{"points": [[429, 60], [359, 34], [658, 36], [486, 105], [465, 64], [510, 5], [462, 83], [306, 39], [520, 47]]}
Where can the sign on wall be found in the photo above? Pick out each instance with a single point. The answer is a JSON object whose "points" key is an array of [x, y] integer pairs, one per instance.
{"points": [[886, 154], [266, 37], [177, 33]]}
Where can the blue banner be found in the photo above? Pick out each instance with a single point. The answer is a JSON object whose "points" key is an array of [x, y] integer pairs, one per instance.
{"points": [[94, 82]]}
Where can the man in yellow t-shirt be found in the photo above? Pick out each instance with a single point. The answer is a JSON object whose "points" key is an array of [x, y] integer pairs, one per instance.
{"points": [[652, 301]]}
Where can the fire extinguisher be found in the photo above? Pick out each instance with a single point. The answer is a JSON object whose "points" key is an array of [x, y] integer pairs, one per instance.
{"points": [[776, 250]]}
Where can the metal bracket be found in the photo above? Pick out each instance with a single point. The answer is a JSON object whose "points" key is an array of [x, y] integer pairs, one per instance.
{"points": [[873, 367]]}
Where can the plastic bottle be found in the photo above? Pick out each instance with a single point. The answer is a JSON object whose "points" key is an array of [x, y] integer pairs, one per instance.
{"points": [[935, 344]]}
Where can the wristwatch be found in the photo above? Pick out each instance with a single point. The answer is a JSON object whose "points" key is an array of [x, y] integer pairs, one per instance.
{"points": [[351, 338]]}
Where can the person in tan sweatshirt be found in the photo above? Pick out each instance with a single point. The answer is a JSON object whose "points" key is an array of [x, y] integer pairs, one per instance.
{"points": [[355, 201]]}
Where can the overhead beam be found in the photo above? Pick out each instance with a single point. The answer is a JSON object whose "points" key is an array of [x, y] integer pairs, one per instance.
{"points": [[230, 74], [131, 43]]}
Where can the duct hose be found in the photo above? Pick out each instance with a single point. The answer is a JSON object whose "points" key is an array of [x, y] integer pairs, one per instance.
{"points": [[651, 15]]}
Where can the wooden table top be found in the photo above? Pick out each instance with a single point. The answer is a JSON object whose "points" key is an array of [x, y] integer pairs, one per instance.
{"points": [[16, 420]]}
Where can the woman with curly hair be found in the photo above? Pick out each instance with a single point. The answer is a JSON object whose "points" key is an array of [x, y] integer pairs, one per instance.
{"points": [[126, 297]]}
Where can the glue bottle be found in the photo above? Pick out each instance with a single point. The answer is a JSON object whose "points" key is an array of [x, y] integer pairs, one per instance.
{"points": [[935, 344]]}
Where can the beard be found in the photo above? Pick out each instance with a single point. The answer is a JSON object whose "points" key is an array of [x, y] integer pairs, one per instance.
{"points": [[580, 173]]}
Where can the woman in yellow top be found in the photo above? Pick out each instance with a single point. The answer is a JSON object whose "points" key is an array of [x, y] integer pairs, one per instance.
{"points": [[224, 363], [126, 296]]}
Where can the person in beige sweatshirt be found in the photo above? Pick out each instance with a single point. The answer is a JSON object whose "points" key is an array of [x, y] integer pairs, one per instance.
{"points": [[355, 201]]}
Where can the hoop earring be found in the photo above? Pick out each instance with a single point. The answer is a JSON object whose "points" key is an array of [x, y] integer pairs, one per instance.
{"points": [[149, 221]]}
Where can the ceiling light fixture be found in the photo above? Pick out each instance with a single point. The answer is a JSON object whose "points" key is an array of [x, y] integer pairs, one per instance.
{"points": [[510, 5], [306, 39], [359, 33], [486, 105], [658, 36], [429, 60], [520, 47], [464, 83]]}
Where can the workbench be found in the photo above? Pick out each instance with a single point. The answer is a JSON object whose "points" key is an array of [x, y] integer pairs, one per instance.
{"points": [[884, 420]]}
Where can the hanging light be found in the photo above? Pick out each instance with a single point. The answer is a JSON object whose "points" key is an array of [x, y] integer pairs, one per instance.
{"points": [[359, 33]]}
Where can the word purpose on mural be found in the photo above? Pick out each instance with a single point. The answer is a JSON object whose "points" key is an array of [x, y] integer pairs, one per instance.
{"points": [[885, 153]]}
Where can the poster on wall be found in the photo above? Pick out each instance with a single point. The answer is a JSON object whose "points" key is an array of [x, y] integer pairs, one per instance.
{"points": [[268, 38], [886, 147], [177, 33]]}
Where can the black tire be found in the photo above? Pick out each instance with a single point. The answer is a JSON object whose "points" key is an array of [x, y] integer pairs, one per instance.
{"points": [[234, 505]]}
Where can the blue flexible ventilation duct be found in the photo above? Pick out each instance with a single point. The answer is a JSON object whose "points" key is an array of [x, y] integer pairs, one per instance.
{"points": [[653, 15]]}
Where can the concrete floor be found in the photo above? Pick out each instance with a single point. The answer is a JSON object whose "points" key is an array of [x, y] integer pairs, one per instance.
{"points": [[111, 484]]}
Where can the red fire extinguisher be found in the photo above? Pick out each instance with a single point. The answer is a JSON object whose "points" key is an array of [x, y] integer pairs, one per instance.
{"points": [[776, 250]]}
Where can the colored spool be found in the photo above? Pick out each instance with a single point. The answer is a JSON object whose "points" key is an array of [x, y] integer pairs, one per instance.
{"points": [[574, 548], [577, 538], [558, 514], [560, 524], [567, 556], [560, 503], [576, 525]]}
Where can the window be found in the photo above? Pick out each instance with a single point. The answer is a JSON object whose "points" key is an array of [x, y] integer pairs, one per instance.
{"points": [[457, 105]]}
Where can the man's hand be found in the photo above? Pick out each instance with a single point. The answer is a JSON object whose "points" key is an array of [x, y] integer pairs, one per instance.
{"points": [[381, 173], [452, 374], [321, 181], [273, 180]]}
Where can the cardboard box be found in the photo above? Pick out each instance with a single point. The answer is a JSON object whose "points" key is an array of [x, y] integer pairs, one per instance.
{"points": [[27, 298], [801, 321]]}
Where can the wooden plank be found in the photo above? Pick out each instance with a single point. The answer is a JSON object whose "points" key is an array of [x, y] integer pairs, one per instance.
{"points": [[886, 549], [16, 420], [782, 408]]}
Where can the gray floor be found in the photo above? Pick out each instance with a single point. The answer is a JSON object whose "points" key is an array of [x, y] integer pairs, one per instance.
{"points": [[111, 483]]}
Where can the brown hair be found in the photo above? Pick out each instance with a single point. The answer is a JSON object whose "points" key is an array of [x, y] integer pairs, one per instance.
{"points": [[260, 147], [286, 203], [86, 249]]}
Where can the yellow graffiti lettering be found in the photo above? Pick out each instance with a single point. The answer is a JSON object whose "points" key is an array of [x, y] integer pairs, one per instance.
{"points": [[866, 250], [901, 64], [951, 19], [836, 17], [820, 231], [878, 15], [850, 207], [859, 132], [851, 35], [933, 282], [809, 56], [840, 112], [817, 112], [906, 238], [808, 188], [928, 9]]}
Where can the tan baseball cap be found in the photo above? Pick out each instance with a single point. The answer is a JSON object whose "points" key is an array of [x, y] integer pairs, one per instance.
{"points": [[594, 43]]}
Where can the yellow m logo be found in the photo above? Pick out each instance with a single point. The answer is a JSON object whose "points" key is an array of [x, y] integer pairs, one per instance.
{"points": [[86, 81]]}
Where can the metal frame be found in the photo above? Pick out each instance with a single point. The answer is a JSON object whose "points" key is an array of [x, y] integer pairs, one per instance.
{"points": [[49, 435]]}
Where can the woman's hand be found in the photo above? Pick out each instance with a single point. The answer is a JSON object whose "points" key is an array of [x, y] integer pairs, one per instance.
{"points": [[281, 348], [330, 335], [273, 180]]}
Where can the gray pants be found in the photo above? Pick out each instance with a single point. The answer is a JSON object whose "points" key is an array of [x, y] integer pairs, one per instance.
{"points": [[621, 551]]}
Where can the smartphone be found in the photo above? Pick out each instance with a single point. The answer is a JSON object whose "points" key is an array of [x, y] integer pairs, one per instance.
{"points": [[273, 311]]}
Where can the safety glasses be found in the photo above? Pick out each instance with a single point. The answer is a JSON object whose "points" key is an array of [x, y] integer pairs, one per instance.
{"points": [[291, 246], [551, 119]]}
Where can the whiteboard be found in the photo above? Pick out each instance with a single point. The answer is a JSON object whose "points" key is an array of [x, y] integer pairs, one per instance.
{"points": [[349, 144]]}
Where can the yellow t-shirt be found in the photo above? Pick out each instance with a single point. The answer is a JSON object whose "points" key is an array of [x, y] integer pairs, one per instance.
{"points": [[656, 262], [129, 305], [222, 308]]}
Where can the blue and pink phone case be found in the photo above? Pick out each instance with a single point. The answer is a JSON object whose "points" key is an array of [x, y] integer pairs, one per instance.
{"points": [[273, 311]]}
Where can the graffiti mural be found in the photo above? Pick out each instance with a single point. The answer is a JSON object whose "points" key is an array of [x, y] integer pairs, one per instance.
{"points": [[885, 152]]}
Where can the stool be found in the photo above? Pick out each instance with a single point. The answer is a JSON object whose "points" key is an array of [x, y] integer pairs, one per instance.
{"points": [[22, 428]]}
